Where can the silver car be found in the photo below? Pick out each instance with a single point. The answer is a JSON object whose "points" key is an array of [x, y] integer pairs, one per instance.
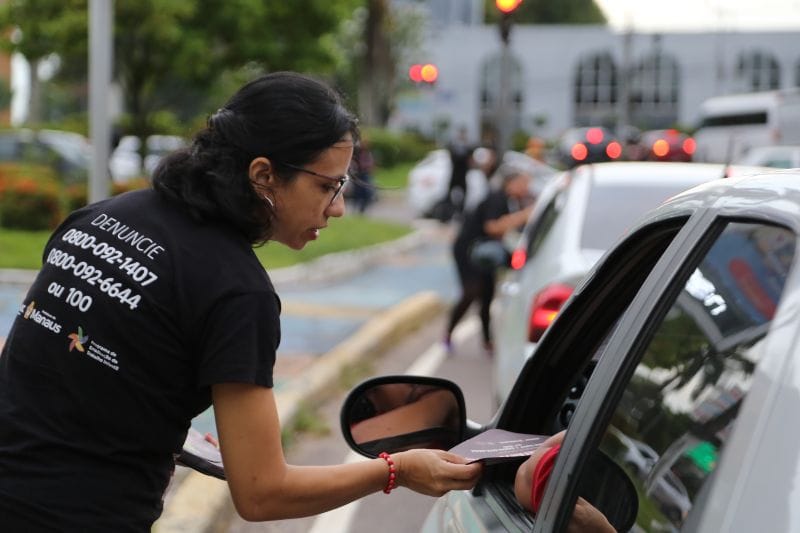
{"points": [[685, 337], [579, 216]]}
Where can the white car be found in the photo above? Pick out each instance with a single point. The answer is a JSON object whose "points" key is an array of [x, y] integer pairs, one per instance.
{"points": [[578, 216], [688, 331], [428, 180], [772, 156], [126, 161]]}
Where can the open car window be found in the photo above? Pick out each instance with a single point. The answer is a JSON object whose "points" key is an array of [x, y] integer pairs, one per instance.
{"points": [[552, 381], [680, 404]]}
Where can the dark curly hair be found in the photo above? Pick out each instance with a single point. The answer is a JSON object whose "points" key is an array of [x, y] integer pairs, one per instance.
{"points": [[284, 116]]}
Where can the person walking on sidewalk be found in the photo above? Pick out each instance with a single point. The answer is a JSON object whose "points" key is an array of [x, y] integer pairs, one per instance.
{"points": [[152, 305], [502, 210]]}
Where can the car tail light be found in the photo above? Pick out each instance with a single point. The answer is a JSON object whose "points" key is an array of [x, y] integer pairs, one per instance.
{"points": [[689, 146], [518, 258], [660, 148], [579, 152], [594, 135], [614, 150], [546, 305]]}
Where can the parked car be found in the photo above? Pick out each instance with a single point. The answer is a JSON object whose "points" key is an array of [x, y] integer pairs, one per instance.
{"points": [[667, 145], [772, 156], [577, 218], [126, 160], [68, 153], [578, 146], [688, 331], [429, 179]]}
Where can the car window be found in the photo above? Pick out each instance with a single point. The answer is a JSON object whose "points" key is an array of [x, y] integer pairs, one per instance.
{"points": [[683, 398], [545, 223], [627, 203]]}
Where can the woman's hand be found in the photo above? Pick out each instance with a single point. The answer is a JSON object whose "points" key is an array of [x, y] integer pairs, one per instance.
{"points": [[435, 472]]}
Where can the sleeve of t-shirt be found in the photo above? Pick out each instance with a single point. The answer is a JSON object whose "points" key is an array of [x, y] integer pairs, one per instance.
{"points": [[496, 206], [240, 340]]}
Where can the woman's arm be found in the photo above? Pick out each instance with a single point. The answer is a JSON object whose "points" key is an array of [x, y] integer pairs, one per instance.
{"points": [[264, 487], [497, 227], [432, 409]]}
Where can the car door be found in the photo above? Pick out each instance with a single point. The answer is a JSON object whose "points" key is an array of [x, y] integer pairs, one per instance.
{"points": [[550, 385], [675, 370]]}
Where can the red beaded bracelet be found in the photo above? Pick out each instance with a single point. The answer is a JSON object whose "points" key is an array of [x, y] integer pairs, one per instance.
{"points": [[391, 483]]}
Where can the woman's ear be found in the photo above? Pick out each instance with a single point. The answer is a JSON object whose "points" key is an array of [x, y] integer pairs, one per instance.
{"points": [[260, 172]]}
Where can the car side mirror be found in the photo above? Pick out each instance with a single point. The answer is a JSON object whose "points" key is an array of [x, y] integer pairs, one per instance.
{"points": [[395, 413]]}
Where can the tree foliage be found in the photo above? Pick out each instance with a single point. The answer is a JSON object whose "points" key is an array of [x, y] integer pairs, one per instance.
{"points": [[176, 54], [550, 12]]}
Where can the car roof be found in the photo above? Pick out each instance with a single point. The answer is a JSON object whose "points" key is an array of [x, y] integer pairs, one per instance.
{"points": [[633, 172]]}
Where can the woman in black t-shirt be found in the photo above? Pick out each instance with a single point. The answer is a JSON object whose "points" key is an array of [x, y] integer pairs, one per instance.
{"points": [[151, 306], [502, 210]]}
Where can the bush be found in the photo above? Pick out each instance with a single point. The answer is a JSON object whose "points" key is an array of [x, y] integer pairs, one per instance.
{"points": [[29, 199], [32, 198], [391, 148]]}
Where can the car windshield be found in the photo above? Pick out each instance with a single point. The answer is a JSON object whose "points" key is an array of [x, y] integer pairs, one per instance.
{"points": [[612, 209]]}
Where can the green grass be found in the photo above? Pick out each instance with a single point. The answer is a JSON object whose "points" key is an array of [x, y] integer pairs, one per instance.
{"points": [[23, 249], [392, 178], [347, 233]]}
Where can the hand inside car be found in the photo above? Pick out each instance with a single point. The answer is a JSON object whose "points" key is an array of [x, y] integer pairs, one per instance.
{"points": [[530, 482]]}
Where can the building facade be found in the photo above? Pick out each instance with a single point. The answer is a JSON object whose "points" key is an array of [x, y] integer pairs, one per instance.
{"points": [[562, 76]]}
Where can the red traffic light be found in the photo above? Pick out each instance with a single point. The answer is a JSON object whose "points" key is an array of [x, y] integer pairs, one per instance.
{"points": [[415, 73], [427, 73], [507, 6]]}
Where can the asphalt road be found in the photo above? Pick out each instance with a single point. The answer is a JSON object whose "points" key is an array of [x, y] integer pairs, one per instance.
{"points": [[402, 510]]}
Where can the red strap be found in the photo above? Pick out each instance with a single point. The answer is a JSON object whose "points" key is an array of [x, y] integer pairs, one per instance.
{"points": [[540, 476]]}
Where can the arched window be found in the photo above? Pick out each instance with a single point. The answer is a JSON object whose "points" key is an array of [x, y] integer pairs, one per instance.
{"points": [[654, 91], [758, 71], [595, 90], [491, 88]]}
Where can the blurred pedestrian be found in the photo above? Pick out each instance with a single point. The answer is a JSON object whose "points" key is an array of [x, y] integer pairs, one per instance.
{"points": [[502, 210], [460, 151], [363, 185], [534, 148], [152, 306]]}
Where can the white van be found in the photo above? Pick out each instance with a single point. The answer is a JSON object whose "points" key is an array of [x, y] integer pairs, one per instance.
{"points": [[730, 125]]}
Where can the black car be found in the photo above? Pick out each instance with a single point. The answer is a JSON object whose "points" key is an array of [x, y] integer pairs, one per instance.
{"points": [[577, 146]]}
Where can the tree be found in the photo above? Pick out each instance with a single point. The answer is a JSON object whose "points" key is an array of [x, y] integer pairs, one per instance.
{"points": [[39, 28], [550, 12], [173, 54]]}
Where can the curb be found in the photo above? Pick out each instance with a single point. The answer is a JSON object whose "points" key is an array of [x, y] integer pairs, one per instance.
{"points": [[202, 504]]}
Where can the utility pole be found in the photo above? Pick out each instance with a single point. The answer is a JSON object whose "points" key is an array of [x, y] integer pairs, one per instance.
{"points": [[624, 104], [506, 7], [101, 23]]}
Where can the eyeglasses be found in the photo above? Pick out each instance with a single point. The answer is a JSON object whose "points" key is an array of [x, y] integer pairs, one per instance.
{"points": [[341, 180]]}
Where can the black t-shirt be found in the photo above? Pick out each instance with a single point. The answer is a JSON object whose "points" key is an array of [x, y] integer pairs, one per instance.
{"points": [[137, 310], [495, 205]]}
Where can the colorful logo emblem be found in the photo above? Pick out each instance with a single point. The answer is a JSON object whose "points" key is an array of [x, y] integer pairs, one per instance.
{"points": [[77, 340]]}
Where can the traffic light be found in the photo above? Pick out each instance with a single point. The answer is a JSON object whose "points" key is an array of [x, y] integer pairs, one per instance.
{"points": [[426, 73], [506, 7]]}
